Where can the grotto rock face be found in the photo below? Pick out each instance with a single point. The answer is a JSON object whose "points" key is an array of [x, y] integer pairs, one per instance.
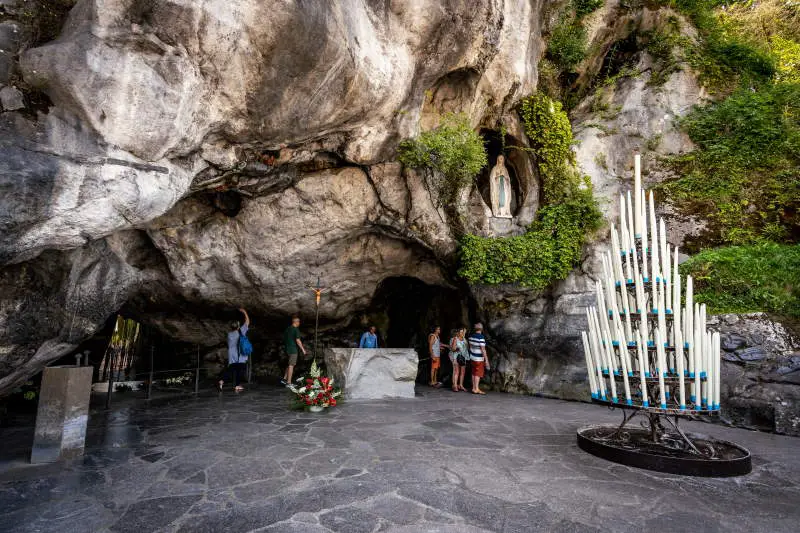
{"points": [[138, 180]]}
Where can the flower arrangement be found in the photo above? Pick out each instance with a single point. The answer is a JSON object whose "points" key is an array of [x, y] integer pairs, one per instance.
{"points": [[315, 391]]}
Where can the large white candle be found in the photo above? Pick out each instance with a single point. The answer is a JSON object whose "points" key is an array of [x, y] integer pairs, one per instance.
{"points": [[623, 222], [689, 329], [599, 356], [624, 356], [587, 353], [637, 286], [665, 270], [679, 358], [641, 352], [708, 394], [655, 267], [645, 248], [676, 298], [643, 328], [631, 226], [661, 364], [637, 187], [717, 369], [698, 358]]}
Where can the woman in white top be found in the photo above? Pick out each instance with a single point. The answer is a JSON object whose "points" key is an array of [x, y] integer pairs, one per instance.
{"points": [[459, 355]]}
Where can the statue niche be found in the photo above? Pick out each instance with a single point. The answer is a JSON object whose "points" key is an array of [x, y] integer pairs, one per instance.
{"points": [[500, 189]]}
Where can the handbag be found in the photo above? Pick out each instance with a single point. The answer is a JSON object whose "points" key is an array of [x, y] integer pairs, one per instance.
{"points": [[461, 360]]}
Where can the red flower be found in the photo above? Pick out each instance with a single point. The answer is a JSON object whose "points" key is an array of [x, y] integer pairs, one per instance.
{"points": [[333, 402]]}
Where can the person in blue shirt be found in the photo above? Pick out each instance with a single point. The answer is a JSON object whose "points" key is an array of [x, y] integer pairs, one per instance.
{"points": [[369, 339], [237, 363]]}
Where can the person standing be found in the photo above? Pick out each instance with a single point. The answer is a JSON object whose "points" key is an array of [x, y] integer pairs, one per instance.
{"points": [[459, 355], [237, 363], [479, 361], [435, 352], [369, 339], [291, 343]]}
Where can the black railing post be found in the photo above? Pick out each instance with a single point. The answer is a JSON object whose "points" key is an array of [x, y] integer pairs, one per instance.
{"points": [[197, 372], [150, 381]]}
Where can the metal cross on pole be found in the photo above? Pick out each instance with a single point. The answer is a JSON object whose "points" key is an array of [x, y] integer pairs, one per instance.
{"points": [[318, 290]]}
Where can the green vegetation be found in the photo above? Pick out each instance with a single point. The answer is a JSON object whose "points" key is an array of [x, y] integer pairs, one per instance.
{"points": [[585, 7], [567, 44], [740, 279], [454, 150], [548, 251], [744, 177], [553, 243]]}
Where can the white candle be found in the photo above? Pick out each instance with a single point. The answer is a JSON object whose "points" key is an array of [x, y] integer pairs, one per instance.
{"points": [[631, 226], [641, 352], [637, 286], [679, 358], [589, 367], [717, 369], [655, 267], [645, 249], [689, 330], [623, 222], [598, 347], [637, 187], [665, 264], [708, 394], [676, 298], [624, 358], [643, 328], [661, 364], [698, 358]]}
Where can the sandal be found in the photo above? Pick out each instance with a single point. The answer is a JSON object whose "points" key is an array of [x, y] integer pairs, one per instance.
{"points": [[479, 392]]}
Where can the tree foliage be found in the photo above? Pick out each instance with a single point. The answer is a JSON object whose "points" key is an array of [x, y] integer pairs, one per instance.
{"points": [[453, 150]]}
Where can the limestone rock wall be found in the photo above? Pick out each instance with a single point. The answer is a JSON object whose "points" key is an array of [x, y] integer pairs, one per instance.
{"points": [[135, 175]]}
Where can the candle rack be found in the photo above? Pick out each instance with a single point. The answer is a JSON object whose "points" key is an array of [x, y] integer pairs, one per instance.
{"points": [[648, 351]]}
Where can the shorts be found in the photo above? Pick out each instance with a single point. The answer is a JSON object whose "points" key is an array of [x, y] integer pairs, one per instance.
{"points": [[435, 363], [478, 368], [292, 359]]}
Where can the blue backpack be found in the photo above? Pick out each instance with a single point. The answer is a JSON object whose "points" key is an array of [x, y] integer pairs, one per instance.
{"points": [[245, 346]]}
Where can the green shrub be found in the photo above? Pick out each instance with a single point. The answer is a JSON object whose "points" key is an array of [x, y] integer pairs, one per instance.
{"points": [[567, 45], [548, 251], [585, 7], [744, 176], [740, 279], [550, 133], [454, 150]]}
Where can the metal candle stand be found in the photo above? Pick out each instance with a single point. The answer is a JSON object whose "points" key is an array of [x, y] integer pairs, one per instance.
{"points": [[639, 361]]}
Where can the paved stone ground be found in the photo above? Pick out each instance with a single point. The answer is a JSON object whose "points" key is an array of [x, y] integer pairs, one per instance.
{"points": [[442, 462]]}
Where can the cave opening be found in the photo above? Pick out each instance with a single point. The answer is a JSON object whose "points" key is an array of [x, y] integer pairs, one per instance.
{"points": [[404, 309], [495, 144]]}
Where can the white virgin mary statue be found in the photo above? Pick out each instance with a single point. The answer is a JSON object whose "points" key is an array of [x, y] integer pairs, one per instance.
{"points": [[500, 189]]}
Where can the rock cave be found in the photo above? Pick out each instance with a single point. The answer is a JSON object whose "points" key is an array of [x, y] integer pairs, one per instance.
{"points": [[170, 161]]}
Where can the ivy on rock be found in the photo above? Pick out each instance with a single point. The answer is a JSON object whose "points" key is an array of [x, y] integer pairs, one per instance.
{"points": [[553, 243]]}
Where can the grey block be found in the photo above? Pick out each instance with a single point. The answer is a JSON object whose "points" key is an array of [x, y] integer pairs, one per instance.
{"points": [[63, 414]]}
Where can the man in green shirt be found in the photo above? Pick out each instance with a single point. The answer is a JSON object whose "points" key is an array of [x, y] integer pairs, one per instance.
{"points": [[291, 342]]}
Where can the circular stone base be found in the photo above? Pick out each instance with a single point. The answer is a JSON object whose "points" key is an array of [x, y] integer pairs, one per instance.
{"points": [[633, 447]]}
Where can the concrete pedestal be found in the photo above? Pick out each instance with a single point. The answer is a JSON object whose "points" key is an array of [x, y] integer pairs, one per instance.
{"points": [[63, 413], [367, 374]]}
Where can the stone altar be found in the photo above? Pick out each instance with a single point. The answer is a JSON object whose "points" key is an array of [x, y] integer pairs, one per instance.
{"points": [[373, 373], [63, 413]]}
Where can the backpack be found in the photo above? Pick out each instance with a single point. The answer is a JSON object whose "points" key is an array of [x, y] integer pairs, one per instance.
{"points": [[245, 346]]}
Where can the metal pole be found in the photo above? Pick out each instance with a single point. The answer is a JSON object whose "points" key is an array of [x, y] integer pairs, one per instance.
{"points": [[197, 372], [150, 381], [316, 331], [110, 379]]}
